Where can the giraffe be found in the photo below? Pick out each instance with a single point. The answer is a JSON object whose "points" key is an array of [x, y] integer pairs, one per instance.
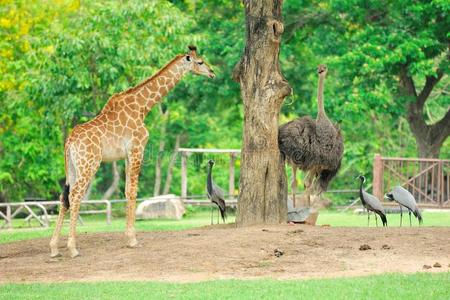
{"points": [[117, 132]]}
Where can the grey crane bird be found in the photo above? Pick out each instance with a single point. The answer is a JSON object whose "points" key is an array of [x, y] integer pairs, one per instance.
{"points": [[404, 198], [371, 203], [215, 194]]}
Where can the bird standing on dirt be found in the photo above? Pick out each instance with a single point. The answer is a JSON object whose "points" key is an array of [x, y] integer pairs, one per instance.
{"points": [[404, 198], [371, 203], [215, 194]]}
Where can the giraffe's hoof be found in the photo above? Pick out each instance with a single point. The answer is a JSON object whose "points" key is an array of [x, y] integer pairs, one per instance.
{"points": [[55, 254], [74, 253], [132, 244]]}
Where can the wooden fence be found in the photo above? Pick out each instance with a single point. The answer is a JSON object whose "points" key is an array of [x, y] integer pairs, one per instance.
{"points": [[427, 179]]}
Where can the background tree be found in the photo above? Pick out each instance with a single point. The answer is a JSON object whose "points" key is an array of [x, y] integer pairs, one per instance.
{"points": [[263, 188]]}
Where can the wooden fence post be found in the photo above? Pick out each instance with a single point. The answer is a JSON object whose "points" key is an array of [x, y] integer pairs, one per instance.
{"points": [[184, 175], [377, 184], [231, 179]]}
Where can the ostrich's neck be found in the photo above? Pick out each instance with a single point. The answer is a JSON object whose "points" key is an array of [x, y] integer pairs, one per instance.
{"points": [[321, 109]]}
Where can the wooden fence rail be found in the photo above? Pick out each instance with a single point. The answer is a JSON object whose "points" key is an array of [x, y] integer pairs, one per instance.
{"points": [[14, 208], [427, 179]]}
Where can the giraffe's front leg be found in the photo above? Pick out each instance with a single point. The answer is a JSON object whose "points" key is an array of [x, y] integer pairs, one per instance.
{"points": [[132, 177]]}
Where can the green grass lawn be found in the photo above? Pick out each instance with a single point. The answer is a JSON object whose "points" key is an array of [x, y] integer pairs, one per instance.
{"points": [[201, 217], [388, 286]]}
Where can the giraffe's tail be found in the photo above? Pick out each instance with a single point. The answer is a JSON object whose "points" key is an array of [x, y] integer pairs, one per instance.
{"points": [[65, 195]]}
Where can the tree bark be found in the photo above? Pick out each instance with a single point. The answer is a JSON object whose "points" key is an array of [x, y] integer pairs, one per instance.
{"points": [[172, 161], [263, 187], [429, 138], [162, 144]]}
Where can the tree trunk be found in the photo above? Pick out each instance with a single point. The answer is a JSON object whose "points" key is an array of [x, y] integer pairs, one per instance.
{"points": [[172, 161], [263, 187], [115, 183], [162, 144]]}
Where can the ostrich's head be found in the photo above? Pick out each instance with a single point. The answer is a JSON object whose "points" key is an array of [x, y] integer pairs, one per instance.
{"points": [[211, 162], [196, 64], [322, 70]]}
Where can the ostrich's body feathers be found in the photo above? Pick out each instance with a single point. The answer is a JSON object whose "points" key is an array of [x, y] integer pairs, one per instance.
{"points": [[313, 146]]}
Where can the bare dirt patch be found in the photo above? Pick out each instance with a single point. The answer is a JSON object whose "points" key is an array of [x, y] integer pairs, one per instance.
{"points": [[283, 252]]}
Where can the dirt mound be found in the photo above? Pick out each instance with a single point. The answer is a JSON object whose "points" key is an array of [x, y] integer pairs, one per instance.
{"points": [[283, 252]]}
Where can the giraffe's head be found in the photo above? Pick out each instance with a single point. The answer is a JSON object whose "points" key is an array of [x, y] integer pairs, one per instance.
{"points": [[196, 64], [322, 70]]}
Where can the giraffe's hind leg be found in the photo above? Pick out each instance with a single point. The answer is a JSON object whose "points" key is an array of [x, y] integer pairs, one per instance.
{"points": [[85, 172], [55, 238]]}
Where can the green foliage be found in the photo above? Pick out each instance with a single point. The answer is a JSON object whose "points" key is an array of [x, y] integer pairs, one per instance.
{"points": [[62, 59]]}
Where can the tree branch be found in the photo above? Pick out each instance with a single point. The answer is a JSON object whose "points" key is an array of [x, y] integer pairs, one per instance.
{"points": [[441, 129], [407, 83], [430, 83]]}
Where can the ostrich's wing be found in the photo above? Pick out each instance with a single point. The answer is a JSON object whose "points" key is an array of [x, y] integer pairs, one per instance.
{"points": [[404, 197], [373, 202]]}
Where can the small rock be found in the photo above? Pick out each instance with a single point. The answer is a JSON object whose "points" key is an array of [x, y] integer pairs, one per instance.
{"points": [[385, 247], [437, 265], [193, 234], [364, 247], [296, 231], [426, 266], [278, 252], [266, 230]]}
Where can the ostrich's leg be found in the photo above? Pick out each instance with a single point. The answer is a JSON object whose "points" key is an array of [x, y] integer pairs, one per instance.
{"points": [[294, 184], [308, 184]]}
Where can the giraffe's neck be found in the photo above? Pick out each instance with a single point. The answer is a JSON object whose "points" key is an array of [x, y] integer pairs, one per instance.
{"points": [[156, 87], [321, 109], [143, 96]]}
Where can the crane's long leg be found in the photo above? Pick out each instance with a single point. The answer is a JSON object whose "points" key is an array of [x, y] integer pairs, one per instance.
{"points": [[376, 220], [212, 213], [218, 214], [401, 215], [410, 224], [368, 218]]}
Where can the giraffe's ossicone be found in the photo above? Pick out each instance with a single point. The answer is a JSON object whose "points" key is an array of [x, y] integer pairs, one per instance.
{"points": [[118, 132]]}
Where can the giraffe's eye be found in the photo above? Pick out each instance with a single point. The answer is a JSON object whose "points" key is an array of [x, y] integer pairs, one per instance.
{"points": [[200, 63]]}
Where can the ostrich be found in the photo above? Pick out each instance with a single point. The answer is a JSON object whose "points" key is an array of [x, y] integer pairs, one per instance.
{"points": [[404, 198], [314, 146], [215, 194], [371, 203]]}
